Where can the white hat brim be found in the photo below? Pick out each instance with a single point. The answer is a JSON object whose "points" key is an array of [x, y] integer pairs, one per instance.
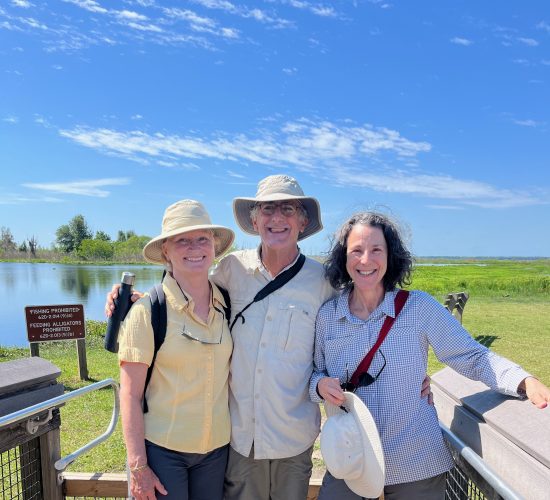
{"points": [[371, 482], [243, 206], [223, 236]]}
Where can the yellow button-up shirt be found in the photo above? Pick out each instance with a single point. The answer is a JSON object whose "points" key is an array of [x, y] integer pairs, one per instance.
{"points": [[187, 395], [273, 356]]}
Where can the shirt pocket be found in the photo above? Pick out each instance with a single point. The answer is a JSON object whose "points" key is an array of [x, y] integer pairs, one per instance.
{"points": [[296, 329]]}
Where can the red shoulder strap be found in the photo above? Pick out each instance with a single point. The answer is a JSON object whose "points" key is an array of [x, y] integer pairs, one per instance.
{"points": [[400, 299]]}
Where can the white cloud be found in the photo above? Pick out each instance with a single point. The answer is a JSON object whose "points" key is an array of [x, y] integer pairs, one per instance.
{"points": [[317, 9], [520, 61], [303, 143], [190, 16], [528, 41], [11, 119], [324, 11], [25, 4], [467, 192], [18, 199], [149, 22], [543, 25], [33, 23], [231, 173], [248, 13], [290, 71], [145, 27], [178, 165], [380, 3], [345, 154], [89, 5], [461, 41], [128, 14], [82, 188], [527, 123]]}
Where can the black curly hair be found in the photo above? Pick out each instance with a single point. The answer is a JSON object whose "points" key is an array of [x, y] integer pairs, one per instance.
{"points": [[400, 260]]}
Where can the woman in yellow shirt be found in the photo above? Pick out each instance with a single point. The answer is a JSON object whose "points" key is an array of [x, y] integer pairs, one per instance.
{"points": [[178, 448]]}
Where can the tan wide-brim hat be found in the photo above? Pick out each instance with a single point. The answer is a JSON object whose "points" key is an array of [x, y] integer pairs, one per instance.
{"points": [[351, 447], [278, 188], [183, 217]]}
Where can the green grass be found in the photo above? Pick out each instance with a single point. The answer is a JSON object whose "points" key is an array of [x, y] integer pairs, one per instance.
{"points": [[516, 329], [508, 308], [485, 278]]}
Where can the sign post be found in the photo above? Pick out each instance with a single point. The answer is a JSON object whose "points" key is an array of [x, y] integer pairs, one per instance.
{"points": [[59, 322]]}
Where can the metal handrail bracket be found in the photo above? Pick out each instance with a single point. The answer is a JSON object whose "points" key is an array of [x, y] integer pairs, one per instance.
{"points": [[31, 411], [479, 465]]}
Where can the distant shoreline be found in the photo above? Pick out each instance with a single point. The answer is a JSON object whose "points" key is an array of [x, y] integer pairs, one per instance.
{"points": [[436, 258]]}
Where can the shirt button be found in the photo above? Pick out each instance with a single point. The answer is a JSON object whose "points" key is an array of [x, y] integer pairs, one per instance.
{"points": [[257, 396], [269, 318], [263, 344], [253, 419], [259, 370]]}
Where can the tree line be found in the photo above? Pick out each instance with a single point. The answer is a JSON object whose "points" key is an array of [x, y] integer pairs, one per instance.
{"points": [[75, 240]]}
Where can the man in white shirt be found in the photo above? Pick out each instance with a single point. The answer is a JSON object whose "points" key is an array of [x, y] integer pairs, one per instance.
{"points": [[273, 421]]}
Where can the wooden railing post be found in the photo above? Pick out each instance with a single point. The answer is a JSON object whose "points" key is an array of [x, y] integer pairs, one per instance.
{"points": [[50, 452], [455, 303]]}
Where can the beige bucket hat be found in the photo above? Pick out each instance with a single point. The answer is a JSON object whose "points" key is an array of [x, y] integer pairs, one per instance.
{"points": [[351, 447], [183, 217], [278, 188]]}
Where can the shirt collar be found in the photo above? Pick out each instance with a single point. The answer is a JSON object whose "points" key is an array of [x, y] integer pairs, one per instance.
{"points": [[386, 308], [256, 264], [181, 299], [177, 298]]}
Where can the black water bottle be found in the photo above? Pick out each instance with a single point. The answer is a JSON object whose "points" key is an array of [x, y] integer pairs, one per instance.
{"points": [[122, 305]]}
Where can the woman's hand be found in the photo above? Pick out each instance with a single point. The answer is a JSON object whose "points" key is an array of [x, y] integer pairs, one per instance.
{"points": [[113, 294], [426, 390], [536, 391], [143, 484], [330, 390]]}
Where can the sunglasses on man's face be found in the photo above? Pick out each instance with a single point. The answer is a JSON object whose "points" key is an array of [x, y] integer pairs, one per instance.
{"points": [[288, 209], [365, 379]]}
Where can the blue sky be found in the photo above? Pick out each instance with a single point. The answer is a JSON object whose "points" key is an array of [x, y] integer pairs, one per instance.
{"points": [[438, 112]]}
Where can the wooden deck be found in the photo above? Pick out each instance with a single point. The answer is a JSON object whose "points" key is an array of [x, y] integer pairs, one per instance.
{"points": [[108, 485]]}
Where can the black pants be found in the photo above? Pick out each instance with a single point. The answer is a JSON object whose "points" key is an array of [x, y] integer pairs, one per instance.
{"points": [[432, 488], [188, 476]]}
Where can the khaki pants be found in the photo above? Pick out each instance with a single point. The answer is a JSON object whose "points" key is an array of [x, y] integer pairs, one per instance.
{"points": [[280, 479]]}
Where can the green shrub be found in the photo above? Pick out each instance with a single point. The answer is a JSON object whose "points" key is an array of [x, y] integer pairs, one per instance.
{"points": [[95, 250]]}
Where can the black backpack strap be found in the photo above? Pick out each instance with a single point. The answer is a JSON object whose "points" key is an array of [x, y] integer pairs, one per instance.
{"points": [[227, 308], [281, 280], [159, 322]]}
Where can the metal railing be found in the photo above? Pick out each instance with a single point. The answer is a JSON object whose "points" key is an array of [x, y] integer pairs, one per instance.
{"points": [[34, 421], [483, 472], [481, 481]]}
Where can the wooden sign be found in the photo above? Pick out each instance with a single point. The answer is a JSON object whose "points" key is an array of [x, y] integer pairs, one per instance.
{"points": [[46, 323]]}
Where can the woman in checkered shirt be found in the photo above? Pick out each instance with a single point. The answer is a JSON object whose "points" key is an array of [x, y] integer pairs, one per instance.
{"points": [[368, 261]]}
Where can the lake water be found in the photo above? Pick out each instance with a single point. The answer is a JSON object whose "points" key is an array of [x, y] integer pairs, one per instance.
{"points": [[24, 285]]}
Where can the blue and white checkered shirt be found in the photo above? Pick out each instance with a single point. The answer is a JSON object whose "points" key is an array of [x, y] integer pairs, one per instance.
{"points": [[411, 438]]}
